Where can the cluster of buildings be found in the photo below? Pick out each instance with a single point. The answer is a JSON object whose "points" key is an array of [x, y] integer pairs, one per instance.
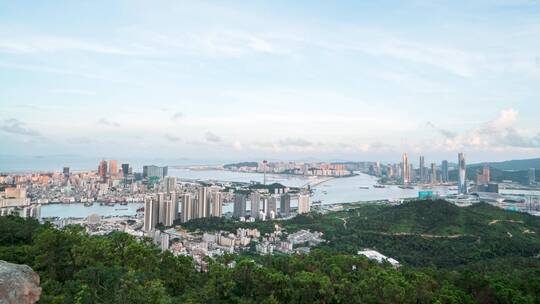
{"points": [[99, 225], [296, 168], [110, 184], [13, 200], [212, 244], [182, 202], [406, 174]]}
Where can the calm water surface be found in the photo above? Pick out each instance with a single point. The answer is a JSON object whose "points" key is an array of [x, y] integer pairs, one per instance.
{"points": [[338, 190]]}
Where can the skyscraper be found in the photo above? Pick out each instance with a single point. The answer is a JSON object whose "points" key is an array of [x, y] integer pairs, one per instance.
{"points": [[484, 178], [201, 208], [405, 169], [239, 208], [271, 206], [169, 184], [125, 170], [433, 173], [255, 199], [151, 209], [304, 204], [462, 174], [444, 171], [102, 169], [168, 206], [113, 167], [423, 172], [155, 171], [532, 176], [66, 172], [187, 207], [285, 204], [216, 198]]}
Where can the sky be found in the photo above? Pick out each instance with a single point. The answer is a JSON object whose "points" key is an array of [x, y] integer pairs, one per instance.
{"points": [[278, 80]]}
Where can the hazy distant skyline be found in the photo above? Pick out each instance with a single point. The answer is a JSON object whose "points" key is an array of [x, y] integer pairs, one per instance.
{"points": [[253, 80]]}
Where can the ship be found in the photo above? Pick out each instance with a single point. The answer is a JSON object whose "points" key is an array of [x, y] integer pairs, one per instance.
{"points": [[363, 187], [406, 187], [379, 186]]}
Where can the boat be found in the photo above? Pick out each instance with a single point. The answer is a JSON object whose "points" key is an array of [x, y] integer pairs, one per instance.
{"points": [[406, 187], [379, 186], [88, 204], [363, 187], [120, 209]]}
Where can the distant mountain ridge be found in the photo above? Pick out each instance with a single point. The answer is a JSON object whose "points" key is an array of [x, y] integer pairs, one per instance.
{"points": [[518, 164]]}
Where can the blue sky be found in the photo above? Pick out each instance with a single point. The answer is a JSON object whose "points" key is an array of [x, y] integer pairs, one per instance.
{"points": [[278, 80]]}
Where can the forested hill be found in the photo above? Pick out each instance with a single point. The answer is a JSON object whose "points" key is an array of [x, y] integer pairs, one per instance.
{"points": [[497, 175], [446, 219], [419, 233], [425, 233], [497, 263], [242, 164], [514, 165]]}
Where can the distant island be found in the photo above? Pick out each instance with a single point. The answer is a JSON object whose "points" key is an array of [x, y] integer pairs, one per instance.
{"points": [[294, 168]]}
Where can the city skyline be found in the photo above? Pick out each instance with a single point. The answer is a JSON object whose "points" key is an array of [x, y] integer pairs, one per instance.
{"points": [[289, 81]]}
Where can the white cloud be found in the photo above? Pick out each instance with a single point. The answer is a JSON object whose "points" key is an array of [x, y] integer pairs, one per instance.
{"points": [[172, 138], [499, 133], [108, 123], [211, 137], [25, 44], [15, 126], [177, 115]]}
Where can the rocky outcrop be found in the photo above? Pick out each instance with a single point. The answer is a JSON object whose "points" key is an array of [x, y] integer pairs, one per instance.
{"points": [[19, 284]]}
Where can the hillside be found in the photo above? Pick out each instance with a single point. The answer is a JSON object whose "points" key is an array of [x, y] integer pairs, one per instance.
{"points": [[497, 175], [425, 233], [118, 268], [516, 165], [242, 164], [419, 233]]}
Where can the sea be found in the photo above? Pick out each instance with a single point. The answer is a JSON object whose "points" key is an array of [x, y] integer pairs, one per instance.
{"points": [[326, 190]]}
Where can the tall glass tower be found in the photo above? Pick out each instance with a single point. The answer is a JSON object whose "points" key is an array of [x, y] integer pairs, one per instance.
{"points": [[462, 176]]}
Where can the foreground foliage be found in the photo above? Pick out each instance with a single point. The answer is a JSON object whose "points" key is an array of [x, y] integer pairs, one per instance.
{"points": [[77, 268]]}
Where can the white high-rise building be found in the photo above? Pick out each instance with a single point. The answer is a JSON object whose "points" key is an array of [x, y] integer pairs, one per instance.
{"points": [[169, 184], [304, 204], [163, 209], [151, 209], [272, 205], [405, 170], [165, 240], [201, 208], [187, 207], [171, 209]]}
